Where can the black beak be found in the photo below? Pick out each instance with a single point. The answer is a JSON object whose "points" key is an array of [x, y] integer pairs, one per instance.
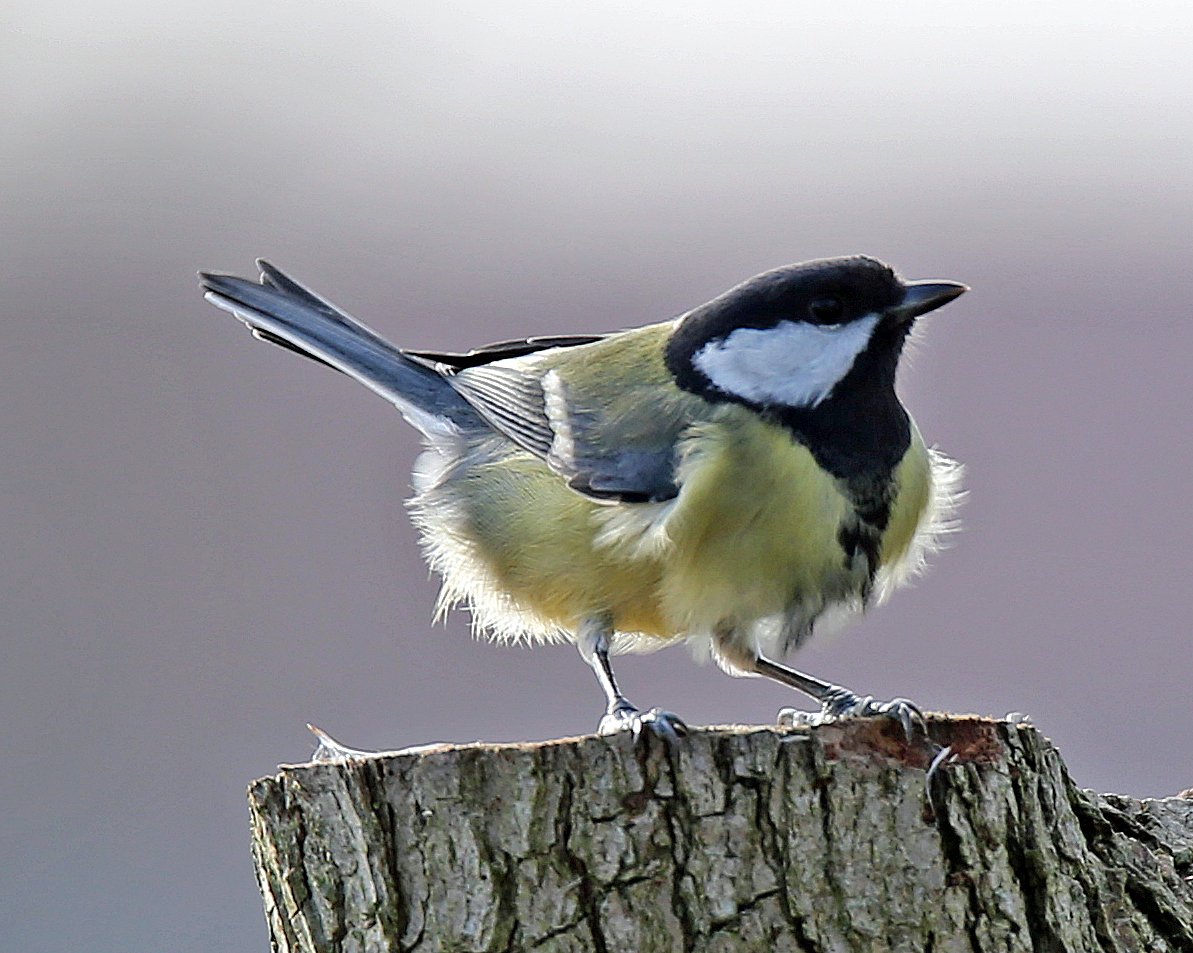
{"points": [[920, 297]]}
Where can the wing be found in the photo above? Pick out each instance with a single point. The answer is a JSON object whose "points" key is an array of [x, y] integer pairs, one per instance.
{"points": [[605, 415], [512, 402], [503, 350]]}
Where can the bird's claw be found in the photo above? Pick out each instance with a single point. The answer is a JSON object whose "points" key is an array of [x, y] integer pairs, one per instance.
{"points": [[664, 724], [842, 703]]}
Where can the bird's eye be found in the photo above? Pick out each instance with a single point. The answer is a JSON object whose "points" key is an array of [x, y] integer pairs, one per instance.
{"points": [[827, 311]]}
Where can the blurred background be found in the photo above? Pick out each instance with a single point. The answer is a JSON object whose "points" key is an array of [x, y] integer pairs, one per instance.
{"points": [[204, 545]]}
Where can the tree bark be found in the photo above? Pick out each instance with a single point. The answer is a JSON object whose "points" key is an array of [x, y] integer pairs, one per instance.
{"points": [[759, 839]]}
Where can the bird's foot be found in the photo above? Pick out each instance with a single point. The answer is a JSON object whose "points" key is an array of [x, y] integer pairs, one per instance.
{"points": [[841, 703], [664, 724]]}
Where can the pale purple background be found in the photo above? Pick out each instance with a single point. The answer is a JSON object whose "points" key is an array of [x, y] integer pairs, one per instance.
{"points": [[204, 545]]}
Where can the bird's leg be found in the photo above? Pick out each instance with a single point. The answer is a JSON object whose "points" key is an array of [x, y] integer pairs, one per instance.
{"points": [[593, 642], [835, 702]]}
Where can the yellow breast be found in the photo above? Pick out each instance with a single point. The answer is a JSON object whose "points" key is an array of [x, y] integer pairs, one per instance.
{"points": [[755, 526], [753, 530]]}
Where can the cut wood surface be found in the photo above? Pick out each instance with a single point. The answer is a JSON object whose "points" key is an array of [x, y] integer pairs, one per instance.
{"points": [[760, 839]]}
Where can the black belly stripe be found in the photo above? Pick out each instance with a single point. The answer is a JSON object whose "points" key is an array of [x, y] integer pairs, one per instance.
{"points": [[858, 538], [872, 497]]}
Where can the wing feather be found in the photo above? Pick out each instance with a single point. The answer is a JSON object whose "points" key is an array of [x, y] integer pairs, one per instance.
{"points": [[512, 402], [612, 444]]}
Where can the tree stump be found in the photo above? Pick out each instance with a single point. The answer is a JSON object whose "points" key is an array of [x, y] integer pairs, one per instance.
{"points": [[760, 839]]}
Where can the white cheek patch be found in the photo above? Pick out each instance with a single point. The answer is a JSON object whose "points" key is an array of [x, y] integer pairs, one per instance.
{"points": [[793, 363]]}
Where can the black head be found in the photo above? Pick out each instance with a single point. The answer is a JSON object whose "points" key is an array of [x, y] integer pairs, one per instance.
{"points": [[792, 336]]}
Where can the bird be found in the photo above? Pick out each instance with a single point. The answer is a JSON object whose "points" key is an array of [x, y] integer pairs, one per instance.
{"points": [[735, 477]]}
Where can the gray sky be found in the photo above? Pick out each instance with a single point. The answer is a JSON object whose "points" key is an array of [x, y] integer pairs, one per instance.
{"points": [[204, 542]]}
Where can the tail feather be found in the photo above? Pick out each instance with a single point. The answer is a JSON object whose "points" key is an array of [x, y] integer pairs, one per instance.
{"points": [[283, 312]]}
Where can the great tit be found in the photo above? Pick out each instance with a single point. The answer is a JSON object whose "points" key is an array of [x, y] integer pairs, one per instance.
{"points": [[732, 477]]}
